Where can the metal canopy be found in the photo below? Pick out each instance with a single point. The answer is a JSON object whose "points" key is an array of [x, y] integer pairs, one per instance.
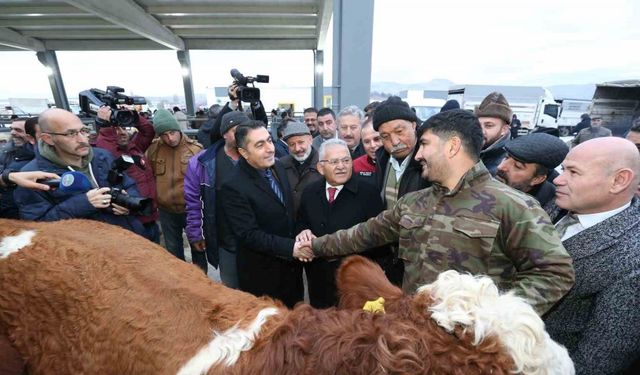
{"points": [[163, 24]]}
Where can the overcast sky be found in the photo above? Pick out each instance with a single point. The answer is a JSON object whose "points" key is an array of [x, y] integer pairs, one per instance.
{"points": [[543, 42]]}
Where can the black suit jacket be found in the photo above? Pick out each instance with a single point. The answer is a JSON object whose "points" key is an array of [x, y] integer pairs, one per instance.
{"points": [[264, 229], [257, 218], [356, 203]]}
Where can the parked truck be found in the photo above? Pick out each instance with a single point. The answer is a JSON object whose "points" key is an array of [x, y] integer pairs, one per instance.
{"points": [[426, 103], [618, 103], [570, 114], [534, 105]]}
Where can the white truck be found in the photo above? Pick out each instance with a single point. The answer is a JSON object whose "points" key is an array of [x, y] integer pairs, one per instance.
{"points": [[618, 103], [534, 105], [570, 114], [425, 102]]}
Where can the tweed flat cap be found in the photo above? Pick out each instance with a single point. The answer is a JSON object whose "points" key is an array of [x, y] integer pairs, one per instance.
{"points": [[295, 128], [540, 148]]}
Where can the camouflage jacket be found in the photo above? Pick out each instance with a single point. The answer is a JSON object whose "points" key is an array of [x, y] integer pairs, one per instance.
{"points": [[482, 226]]}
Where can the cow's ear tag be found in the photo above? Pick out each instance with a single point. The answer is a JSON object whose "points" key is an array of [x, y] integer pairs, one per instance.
{"points": [[376, 306]]}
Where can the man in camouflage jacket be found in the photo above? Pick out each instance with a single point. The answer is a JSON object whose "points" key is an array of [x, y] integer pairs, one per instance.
{"points": [[467, 221]]}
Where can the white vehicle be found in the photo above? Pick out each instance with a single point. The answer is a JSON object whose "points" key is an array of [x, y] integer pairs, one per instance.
{"points": [[570, 112], [534, 105], [425, 102]]}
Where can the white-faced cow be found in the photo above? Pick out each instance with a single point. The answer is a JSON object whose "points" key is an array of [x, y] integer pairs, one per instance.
{"points": [[82, 297]]}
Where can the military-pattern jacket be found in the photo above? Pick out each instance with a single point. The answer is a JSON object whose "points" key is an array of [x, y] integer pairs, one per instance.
{"points": [[482, 226]]}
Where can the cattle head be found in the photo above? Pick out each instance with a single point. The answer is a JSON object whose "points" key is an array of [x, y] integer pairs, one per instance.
{"points": [[469, 309]]}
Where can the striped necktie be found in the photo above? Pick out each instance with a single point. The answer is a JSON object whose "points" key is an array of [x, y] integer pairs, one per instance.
{"points": [[274, 184]]}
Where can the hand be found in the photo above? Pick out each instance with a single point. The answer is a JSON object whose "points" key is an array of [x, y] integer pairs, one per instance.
{"points": [[233, 92], [302, 251], [119, 210], [29, 179], [198, 246], [305, 235], [104, 113], [100, 197]]}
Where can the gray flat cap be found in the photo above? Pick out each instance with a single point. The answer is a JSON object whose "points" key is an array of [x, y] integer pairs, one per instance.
{"points": [[540, 148], [295, 128]]}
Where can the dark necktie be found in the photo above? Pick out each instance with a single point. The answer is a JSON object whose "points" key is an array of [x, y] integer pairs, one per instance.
{"points": [[332, 194], [274, 184]]}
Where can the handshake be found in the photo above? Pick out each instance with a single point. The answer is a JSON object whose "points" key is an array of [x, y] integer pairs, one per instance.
{"points": [[302, 249]]}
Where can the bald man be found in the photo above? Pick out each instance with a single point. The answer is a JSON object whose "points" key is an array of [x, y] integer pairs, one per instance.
{"points": [[598, 220], [64, 146]]}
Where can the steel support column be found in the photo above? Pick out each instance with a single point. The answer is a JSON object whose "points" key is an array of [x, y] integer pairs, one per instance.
{"points": [[352, 40], [49, 60], [318, 79], [187, 81]]}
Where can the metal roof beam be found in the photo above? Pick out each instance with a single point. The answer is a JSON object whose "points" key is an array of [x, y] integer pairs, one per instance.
{"points": [[322, 22], [131, 16], [231, 8], [14, 39], [105, 44]]}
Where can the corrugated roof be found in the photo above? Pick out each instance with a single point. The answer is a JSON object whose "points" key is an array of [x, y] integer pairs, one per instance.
{"points": [[159, 24]]}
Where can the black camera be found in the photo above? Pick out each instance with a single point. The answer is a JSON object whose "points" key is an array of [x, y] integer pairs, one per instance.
{"points": [[91, 100], [248, 94], [136, 205]]}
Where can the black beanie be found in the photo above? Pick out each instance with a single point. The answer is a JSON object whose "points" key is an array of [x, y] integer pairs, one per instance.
{"points": [[392, 109], [449, 105]]}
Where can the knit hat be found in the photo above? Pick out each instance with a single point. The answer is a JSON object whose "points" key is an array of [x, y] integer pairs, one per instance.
{"points": [[495, 105], [541, 148], [163, 121], [232, 119], [392, 109], [295, 128], [449, 105]]}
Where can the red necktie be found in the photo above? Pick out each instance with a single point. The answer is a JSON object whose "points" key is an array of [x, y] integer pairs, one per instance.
{"points": [[332, 194]]}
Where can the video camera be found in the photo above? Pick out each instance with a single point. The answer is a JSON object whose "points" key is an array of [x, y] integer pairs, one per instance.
{"points": [[248, 94], [91, 100], [136, 205]]}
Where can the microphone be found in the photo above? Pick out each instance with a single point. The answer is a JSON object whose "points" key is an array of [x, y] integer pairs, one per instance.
{"points": [[69, 182]]}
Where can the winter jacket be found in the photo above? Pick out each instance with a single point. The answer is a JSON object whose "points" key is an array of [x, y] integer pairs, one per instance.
{"points": [[56, 204], [169, 166], [143, 177], [200, 200]]}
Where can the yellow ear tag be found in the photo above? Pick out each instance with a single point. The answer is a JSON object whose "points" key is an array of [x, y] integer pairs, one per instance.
{"points": [[376, 306]]}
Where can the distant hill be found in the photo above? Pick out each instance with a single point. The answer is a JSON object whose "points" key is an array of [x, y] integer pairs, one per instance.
{"points": [[395, 87]]}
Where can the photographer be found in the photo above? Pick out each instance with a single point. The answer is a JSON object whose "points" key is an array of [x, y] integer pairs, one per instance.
{"points": [[115, 139], [239, 92], [64, 147]]}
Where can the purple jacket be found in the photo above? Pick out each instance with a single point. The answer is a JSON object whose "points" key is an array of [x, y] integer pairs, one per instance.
{"points": [[200, 200]]}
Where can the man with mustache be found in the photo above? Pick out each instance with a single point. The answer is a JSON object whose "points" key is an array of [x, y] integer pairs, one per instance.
{"points": [[397, 173], [529, 161], [467, 221], [300, 164], [116, 139], [349, 126], [64, 146]]}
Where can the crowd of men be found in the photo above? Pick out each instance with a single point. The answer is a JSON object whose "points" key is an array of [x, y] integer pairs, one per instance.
{"points": [[456, 191]]}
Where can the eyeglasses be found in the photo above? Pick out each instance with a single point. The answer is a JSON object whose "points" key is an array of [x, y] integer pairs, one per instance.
{"points": [[74, 133], [335, 162]]}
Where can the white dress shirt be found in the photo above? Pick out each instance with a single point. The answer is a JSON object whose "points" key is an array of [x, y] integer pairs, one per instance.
{"points": [[586, 221]]}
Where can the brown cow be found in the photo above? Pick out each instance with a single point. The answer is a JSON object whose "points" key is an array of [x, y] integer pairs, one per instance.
{"points": [[81, 297]]}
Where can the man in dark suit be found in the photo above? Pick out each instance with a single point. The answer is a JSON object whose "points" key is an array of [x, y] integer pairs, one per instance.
{"points": [[258, 204], [338, 201], [598, 220]]}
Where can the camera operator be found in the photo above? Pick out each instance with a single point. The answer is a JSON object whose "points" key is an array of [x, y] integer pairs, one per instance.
{"points": [[64, 147], [115, 139], [234, 104]]}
